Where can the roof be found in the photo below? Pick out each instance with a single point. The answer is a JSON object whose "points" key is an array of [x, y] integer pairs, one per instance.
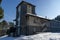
{"points": [[37, 16], [28, 14], [26, 3]]}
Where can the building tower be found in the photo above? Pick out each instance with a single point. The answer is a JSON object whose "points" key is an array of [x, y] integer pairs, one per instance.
{"points": [[22, 9]]}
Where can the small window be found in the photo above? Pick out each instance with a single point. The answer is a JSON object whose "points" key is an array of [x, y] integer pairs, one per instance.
{"points": [[27, 17], [19, 9], [29, 9], [34, 29], [35, 21]]}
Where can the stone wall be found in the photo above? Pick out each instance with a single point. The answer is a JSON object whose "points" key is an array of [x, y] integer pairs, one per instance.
{"points": [[36, 25]]}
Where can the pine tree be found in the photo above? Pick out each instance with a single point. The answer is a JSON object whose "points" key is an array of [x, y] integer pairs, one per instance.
{"points": [[1, 11]]}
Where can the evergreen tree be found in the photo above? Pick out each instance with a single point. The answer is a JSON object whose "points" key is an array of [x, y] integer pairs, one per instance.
{"points": [[0, 1], [1, 11], [57, 18]]}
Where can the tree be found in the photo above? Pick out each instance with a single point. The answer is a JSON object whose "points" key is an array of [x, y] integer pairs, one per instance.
{"points": [[4, 24], [3, 27], [57, 18], [11, 24], [12, 29], [1, 11], [0, 1]]}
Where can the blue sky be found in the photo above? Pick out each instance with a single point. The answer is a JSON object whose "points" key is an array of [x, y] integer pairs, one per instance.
{"points": [[49, 8]]}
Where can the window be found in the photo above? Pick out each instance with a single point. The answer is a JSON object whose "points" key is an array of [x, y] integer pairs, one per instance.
{"points": [[34, 29], [35, 20], [18, 21], [19, 9], [18, 30], [29, 9]]}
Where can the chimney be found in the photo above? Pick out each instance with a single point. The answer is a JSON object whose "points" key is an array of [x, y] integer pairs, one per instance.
{"points": [[46, 17]]}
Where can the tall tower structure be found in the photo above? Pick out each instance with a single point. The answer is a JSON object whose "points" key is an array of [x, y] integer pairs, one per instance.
{"points": [[23, 8]]}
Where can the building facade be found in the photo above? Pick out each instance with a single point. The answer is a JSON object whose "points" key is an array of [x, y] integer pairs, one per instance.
{"points": [[27, 21], [54, 26]]}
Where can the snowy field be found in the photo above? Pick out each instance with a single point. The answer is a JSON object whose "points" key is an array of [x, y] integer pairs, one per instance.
{"points": [[41, 36]]}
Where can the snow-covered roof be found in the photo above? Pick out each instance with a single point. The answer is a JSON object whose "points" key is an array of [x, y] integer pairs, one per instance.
{"points": [[38, 16]]}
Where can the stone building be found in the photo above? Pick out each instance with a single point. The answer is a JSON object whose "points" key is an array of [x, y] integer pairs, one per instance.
{"points": [[27, 21], [54, 26]]}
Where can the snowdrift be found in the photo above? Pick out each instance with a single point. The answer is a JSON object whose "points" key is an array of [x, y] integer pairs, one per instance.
{"points": [[40, 36]]}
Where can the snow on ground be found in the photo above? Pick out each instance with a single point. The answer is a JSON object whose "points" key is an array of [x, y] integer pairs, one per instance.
{"points": [[3, 36], [40, 36]]}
